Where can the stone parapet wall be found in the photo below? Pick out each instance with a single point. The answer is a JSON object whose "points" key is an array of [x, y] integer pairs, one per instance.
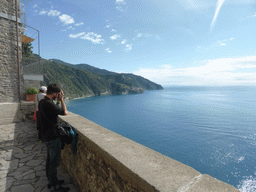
{"points": [[9, 113], [106, 161], [9, 91], [27, 109], [16, 112]]}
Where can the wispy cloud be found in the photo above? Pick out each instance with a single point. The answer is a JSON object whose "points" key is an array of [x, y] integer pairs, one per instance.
{"points": [[66, 19], [218, 6], [128, 47], [43, 12], [224, 71], [50, 12], [35, 6], [124, 41], [119, 8], [216, 44], [93, 37], [77, 35], [120, 2], [113, 30], [252, 16], [53, 13], [108, 50], [79, 24], [114, 37], [71, 27], [140, 35]]}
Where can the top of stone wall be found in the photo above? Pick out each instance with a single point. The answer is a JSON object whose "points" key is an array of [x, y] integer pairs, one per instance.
{"points": [[159, 171]]}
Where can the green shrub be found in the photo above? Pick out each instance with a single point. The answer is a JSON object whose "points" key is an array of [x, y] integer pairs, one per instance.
{"points": [[32, 90]]}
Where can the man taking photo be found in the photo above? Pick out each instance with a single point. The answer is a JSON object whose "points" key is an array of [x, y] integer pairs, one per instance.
{"points": [[49, 112]]}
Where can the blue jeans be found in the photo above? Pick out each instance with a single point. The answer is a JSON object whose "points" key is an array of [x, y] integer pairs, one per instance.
{"points": [[53, 160]]}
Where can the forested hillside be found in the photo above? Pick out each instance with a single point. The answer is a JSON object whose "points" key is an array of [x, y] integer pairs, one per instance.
{"points": [[84, 80]]}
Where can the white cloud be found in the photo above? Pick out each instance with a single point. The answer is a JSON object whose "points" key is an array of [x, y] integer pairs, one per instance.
{"points": [[77, 35], [142, 35], [71, 27], [66, 19], [79, 24], [93, 37], [218, 6], [224, 71], [222, 42], [114, 37], [108, 50], [43, 12], [128, 47], [113, 30], [53, 13], [119, 8], [252, 16], [35, 6], [216, 44], [124, 41], [120, 2], [107, 26]]}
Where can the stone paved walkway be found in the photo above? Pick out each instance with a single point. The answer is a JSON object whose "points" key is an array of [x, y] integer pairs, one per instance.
{"points": [[22, 160]]}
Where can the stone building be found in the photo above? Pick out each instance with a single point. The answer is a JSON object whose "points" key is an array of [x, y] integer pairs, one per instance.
{"points": [[12, 89], [9, 77]]}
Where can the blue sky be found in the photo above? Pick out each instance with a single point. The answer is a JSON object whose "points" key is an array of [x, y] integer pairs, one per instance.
{"points": [[175, 42]]}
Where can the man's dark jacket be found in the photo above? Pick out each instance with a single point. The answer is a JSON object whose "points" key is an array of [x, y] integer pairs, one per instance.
{"points": [[48, 112]]}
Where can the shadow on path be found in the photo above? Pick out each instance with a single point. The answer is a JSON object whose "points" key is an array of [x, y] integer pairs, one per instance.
{"points": [[22, 160]]}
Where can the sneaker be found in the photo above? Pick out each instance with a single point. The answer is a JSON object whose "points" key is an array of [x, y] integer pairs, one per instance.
{"points": [[60, 182], [61, 189]]}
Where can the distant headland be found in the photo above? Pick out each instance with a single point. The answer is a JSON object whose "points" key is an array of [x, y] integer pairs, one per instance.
{"points": [[83, 80]]}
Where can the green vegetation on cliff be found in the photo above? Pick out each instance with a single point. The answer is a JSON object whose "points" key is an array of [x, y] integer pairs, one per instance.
{"points": [[84, 80]]}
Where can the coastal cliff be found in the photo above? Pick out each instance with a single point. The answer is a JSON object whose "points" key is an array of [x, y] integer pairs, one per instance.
{"points": [[83, 80]]}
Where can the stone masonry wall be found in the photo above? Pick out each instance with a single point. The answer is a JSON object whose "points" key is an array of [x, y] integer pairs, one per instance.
{"points": [[8, 53], [106, 161], [91, 172], [27, 110], [16, 112]]}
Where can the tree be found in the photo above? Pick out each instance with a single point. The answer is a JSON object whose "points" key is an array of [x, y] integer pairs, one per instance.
{"points": [[26, 50]]}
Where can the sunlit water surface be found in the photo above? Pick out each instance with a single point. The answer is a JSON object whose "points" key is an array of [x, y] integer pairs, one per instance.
{"points": [[212, 129]]}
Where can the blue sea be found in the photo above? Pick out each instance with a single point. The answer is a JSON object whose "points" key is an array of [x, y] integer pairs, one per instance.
{"points": [[212, 129]]}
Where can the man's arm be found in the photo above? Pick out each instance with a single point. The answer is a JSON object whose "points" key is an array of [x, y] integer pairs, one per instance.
{"points": [[63, 105]]}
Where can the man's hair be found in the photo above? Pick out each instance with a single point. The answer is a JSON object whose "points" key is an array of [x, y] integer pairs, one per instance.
{"points": [[52, 88]]}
